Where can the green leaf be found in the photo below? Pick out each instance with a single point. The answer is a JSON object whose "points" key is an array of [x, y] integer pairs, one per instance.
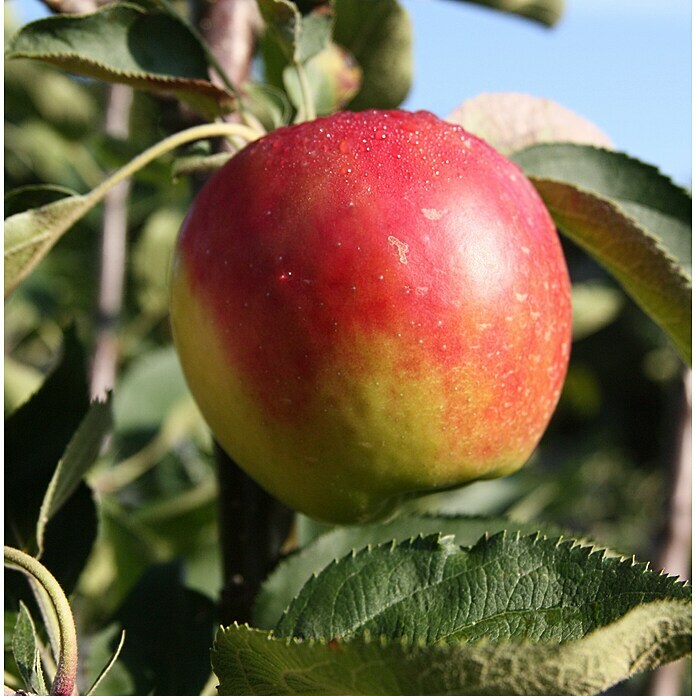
{"points": [[21, 381], [30, 235], [378, 33], [100, 665], [334, 79], [152, 255], [249, 661], [148, 391], [126, 43], [595, 305], [26, 652], [510, 121], [504, 587], [34, 196], [81, 452], [546, 12], [35, 90], [59, 407], [644, 193], [299, 36], [291, 574], [630, 218], [268, 103], [107, 667], [47, 155], [168, 631]]}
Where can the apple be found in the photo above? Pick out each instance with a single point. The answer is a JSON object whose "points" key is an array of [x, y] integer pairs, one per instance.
{"points": [[371, 306]]}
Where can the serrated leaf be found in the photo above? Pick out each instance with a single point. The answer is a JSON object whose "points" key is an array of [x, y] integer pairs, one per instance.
{"points": [[126, 43], [623, 213], [510, 121], [431, 590], [80, 454], [378, 33], [633, 256], [299, 36], [640, 189], [290, 574], [26, 652], [546, 12], [249, 661]]}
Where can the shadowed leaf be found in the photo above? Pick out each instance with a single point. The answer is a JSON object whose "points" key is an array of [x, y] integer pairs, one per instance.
{"points": [[630, 218], [126, 43]]}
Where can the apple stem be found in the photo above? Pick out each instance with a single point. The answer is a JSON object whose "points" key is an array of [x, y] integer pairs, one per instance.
{"points": [[66, 673], [253, 529]]}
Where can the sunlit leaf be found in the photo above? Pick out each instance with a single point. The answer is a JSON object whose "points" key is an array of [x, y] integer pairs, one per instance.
{"points": [[510, 121], [640, 189], [289, 576], [504, 587], [249, 661]]}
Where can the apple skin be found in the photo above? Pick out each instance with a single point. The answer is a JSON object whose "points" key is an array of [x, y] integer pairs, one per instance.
{"points": [[371, 306]]}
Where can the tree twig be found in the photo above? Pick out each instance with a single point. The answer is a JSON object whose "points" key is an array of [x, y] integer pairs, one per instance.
{"points": [[230, 28], [113, 254], [675, 552]]}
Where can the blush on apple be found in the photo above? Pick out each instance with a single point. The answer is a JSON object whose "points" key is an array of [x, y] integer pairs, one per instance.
{"points": [[370, 306]]}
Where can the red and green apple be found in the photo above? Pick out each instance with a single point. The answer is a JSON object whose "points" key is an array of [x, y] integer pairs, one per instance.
{"points": [[371, 306]]}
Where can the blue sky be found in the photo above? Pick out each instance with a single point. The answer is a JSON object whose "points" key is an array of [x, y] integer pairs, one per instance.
{"points": [[623, 64]]}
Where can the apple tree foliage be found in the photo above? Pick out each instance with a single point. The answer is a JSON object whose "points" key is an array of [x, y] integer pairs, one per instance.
{"points": [[526, 585]]}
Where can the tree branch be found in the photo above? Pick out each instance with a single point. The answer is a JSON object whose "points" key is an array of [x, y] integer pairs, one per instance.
{"points": [[113, 254]]}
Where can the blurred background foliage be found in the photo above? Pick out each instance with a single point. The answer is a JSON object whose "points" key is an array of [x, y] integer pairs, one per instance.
{"points": [[602, 471]]}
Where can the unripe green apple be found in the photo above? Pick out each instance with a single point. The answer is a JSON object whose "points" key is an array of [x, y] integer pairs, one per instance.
{"points": [[370, 306]]}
